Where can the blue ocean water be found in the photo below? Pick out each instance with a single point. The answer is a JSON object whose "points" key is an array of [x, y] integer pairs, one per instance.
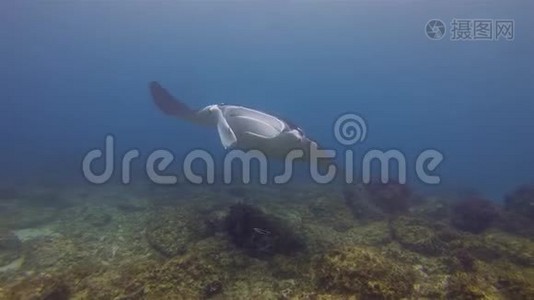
{"points": [[73, 72]]}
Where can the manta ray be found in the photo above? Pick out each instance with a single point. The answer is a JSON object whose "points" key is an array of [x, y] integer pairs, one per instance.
{"points": [[239, 127]]}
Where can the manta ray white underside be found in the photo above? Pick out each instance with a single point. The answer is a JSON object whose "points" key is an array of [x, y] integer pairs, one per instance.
{"points": [[238, 126]]}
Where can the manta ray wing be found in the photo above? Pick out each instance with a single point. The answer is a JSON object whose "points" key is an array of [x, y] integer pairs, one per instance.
{"points": [[226, 134], [167, 103]]}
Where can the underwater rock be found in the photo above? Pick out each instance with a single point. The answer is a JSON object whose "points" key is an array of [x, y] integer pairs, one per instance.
{"points": [[474, 214], [465, 259], [211, 289], [391, 197], [469, 286], [432, 208], [521, 201], [215, 220], [359, 202], [515, 285], [198, 274], [370, 234], [516, 224], [19, 217], [259, 234], [10, 247], [363, 272], [461, 260], [417, 235], [168, 236], [136, 294], [169, 230], [331, 212], [45, 287], [377, 200], [98, 219], [499, 245], [48, 252]]}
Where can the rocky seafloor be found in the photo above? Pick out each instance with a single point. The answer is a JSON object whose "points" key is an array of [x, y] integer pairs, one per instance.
{"points": [[377, 241]]}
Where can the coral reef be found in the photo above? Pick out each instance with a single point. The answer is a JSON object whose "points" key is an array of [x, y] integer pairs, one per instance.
{"points": [[359, 202], [521, 201], [464, 259], [469, 286], [390, 197], [494, 246], [43, 286], [474, 214], [516, 224], [433, 208], [191, 276], [515, 285], [419, 236], [260, 234], [170, 230], [378, 200], [246, 242], [363, 272], [331, 211]]}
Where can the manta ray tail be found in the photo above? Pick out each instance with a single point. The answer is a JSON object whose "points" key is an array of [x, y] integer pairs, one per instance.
{"points": [[167, 103]]}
